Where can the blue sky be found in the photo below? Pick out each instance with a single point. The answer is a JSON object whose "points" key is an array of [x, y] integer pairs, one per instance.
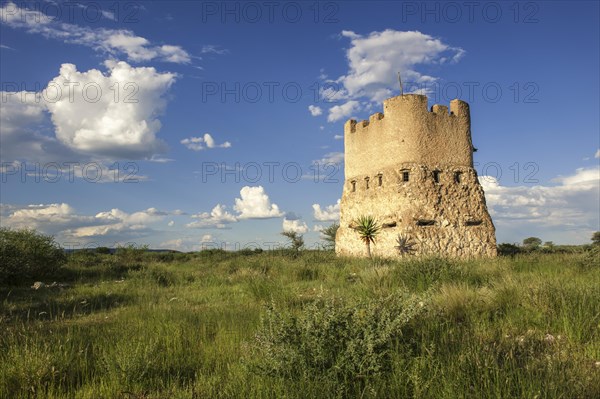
{"points": [[219, 123]]}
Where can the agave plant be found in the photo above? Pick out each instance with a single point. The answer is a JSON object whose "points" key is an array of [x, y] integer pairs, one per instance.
{"points": [[405, 245], [367, 228]]}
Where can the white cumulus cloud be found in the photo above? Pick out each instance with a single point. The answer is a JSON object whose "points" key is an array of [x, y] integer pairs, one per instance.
{"points": [[315, 110], [255, 204], [331, 158], [62, 220], [566, 212], [112, 41], [330, 213], [374, 61], [295, 225], [116, 129], [218, 218], [116, 115], [117, 221], [200, 143], [338, 112], [49, 218]]}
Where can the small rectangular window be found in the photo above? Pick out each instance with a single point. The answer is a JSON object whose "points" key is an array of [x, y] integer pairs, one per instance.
{"points": [[379, 180], [436, 176], [367, 182], [353, 182], [473, 222], [425, 222], [405, 175], [457, 177]]}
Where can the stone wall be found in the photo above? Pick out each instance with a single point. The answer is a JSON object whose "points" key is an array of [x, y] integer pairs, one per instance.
{"points": [[408, 132], [440, 208]]}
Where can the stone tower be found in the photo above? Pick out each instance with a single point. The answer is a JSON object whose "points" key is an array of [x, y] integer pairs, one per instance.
{"points": [[412, 169]]}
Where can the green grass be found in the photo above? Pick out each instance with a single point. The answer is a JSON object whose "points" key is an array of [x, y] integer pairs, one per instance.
{"points": [[269, 325]]}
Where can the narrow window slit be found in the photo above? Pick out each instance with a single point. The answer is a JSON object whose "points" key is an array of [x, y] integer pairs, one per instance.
{"points": [[473, 222], [425, 222], [405, 175], [457, 177]]}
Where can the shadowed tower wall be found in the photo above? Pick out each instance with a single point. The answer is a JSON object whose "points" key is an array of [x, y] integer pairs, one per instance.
{"points": [[412, 169]]}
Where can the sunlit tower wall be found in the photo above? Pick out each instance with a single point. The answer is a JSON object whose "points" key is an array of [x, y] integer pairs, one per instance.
{"points": [[412, 170]]}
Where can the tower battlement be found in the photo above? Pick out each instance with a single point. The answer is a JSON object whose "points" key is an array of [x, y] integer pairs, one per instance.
{"points": [[407, 131], [409, 103], [411, 168]]}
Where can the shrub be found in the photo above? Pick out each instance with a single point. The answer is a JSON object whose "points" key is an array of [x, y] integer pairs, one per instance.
{"points": [[296, 241], [28, 255], [506, 249], [131, 256], [163, 257], [590, 259], [532, 243], [307, 273], [164, 277], [328, 235], [333, 340], [85, 258], [103, 250], [247, 252], [420, 274]]}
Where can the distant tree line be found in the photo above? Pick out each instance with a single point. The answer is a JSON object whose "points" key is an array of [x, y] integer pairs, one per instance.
{"points": [[535, 244]]}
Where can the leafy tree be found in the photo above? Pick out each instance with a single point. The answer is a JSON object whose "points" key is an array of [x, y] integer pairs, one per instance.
{"points": [[328, 235], [296, 239], [532, 243], [506, 249], [103, 250], [28, 255], [549, 247], [367, 228], [596, 238]]}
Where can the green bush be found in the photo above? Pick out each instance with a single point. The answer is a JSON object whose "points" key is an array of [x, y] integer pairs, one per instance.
{"points": [[85, 258], [26, 255], [131, 256], [591, 258], [103, 250], [420, 274], [506, 249], [333, 340], [163, 257]]}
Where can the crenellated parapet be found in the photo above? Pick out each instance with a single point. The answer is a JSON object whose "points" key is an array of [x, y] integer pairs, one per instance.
{"points": [[411, 168], [407, 131]]}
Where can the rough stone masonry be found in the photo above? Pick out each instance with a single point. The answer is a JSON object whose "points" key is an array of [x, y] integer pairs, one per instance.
{"points": [[412, 169]]}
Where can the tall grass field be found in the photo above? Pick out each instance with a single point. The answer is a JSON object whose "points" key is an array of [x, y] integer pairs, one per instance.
{"points": [[215, 324]]}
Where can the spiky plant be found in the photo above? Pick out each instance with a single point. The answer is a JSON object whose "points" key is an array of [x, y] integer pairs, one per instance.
{"points": [[405, 244], [368, 228]]}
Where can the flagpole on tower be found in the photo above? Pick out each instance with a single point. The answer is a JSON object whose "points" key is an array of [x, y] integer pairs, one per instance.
{"points": [[400, 82]]}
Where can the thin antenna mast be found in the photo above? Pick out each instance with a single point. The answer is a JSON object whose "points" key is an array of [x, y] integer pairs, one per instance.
{"points": [[400, 82]]}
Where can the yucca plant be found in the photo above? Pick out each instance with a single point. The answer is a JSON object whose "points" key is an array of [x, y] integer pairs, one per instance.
{"points": [[405, 245], [367, 228]]}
